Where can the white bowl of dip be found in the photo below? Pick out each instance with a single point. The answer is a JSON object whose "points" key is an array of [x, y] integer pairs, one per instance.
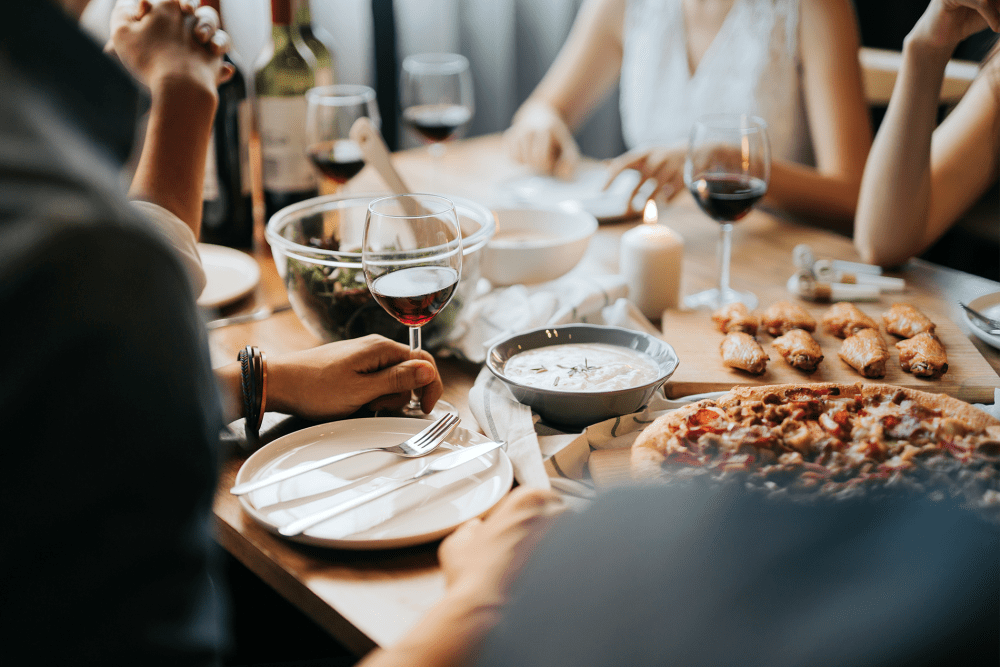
{"points": [[580, 374], [535, 245]]}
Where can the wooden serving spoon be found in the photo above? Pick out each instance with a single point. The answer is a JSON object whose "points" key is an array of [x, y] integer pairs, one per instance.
{"points": [[376, 153]]}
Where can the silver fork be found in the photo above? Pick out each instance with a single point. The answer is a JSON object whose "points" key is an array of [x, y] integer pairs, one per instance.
{"points": [[421, 444], [987, 324]]}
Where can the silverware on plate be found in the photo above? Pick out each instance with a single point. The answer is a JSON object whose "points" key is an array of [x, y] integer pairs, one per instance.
{"points": [[447, 462], [421, 444], [987, 324], [255, 316]]}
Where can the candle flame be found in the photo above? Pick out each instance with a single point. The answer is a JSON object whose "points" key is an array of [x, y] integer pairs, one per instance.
{"points": [[649, 215]]}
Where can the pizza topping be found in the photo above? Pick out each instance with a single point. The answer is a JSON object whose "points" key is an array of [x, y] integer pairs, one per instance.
{"points": [[796, 439]]}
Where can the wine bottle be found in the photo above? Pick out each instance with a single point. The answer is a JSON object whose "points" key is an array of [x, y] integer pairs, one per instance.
{"points": [[285, 70], [227, 209], [320, 43]]}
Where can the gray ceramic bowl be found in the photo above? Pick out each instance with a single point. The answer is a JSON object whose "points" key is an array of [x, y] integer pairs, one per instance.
{"points": [[575, 408]]}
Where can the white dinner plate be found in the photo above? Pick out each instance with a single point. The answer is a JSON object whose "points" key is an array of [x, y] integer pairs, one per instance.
{"points": [[421, 512], [231, 275], [988, 305], [585, 189]]}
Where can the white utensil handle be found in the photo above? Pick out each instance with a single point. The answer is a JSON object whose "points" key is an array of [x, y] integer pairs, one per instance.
{"points": [[857, 267], [884, 283], [247, 487], [299, 525]]}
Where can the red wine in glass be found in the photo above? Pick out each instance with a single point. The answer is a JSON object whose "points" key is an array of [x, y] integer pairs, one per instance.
{"points": [[437, 122], [727, 197], [415, 295], [727, 168], [339, 160], [411, 254]]}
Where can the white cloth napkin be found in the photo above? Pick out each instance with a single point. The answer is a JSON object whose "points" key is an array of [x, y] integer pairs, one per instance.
{"points": [[587, 295], [545, 457], [580, 296]]}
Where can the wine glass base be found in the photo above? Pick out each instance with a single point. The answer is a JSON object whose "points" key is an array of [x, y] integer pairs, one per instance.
{"points": [[711, 299], [441, 408]]}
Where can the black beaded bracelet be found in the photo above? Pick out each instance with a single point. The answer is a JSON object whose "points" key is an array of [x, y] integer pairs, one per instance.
{"points": [[253, 375]]}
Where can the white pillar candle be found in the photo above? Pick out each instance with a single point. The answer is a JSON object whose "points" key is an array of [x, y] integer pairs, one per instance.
{"points": [[650, 261]]}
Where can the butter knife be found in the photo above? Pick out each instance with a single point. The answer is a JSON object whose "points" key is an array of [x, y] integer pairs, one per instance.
{"points": [[440, 464], [255, 316], [982, 322]]}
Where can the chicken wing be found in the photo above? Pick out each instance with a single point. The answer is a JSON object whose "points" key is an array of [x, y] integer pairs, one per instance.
{"points": [[905, 321], [866, 353], [736, 317], [742, 351], [783, 316], [923, 355], [799, 349], [845, 319]]}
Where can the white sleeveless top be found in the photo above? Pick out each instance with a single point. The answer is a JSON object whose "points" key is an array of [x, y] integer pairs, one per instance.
{"points": [[752, 66]]}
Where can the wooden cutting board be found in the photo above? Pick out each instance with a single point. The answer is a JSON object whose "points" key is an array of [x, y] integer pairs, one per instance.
{"points": [[696, 339]]}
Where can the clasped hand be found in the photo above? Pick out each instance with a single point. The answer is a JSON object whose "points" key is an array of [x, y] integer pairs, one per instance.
{"points": [[157, 40]]}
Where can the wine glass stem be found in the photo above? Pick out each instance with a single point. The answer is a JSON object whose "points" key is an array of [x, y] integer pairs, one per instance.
{"points": [[414, 354], [725, 250]]}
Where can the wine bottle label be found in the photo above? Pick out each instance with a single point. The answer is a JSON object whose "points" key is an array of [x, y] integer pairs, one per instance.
{"points": [[210, 186], [283, 144], [244, 120]]}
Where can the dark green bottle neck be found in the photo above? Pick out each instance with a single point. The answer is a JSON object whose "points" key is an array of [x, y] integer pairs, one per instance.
{"points": [[303, 14], [282, 36]]}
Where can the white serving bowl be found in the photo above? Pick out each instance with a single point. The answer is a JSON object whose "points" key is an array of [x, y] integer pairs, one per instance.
{"points": [[535, 245], [582, 408]]}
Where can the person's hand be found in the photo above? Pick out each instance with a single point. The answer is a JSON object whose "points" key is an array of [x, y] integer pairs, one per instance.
{"points": [[539, 138], [483, 556], [337, 379], [664, 166], [945, 23], [158, 40]]}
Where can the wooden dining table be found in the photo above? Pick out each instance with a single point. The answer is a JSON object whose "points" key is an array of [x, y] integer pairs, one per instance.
{"points": [[366, 599]]}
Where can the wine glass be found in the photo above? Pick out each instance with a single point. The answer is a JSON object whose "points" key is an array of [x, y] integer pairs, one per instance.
{"points": [[411, 253], [727, 169], [330, 113], [436, 97]]}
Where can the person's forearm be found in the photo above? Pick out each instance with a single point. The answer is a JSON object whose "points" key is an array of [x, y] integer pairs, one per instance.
{"points": [[449, 635], [895, 195], [829, 200], [171, 170]]}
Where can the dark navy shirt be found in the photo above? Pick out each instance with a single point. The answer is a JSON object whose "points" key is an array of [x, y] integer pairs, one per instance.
{"points": [[689, 576], [109, 413]]}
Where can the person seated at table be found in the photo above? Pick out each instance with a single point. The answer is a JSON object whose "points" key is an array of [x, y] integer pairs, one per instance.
{"points": [[920, 179], [792, 62], [691, 575], [112, 413]]}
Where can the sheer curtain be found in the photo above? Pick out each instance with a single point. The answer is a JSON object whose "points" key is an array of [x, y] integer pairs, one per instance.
{"points": [[509, 43]]}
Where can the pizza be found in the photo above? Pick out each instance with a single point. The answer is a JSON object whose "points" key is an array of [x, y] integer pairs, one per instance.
{"points": [[829, 439]]}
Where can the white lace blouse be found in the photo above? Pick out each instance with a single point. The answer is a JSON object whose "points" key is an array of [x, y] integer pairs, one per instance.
{"points": [[752, 66]]}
